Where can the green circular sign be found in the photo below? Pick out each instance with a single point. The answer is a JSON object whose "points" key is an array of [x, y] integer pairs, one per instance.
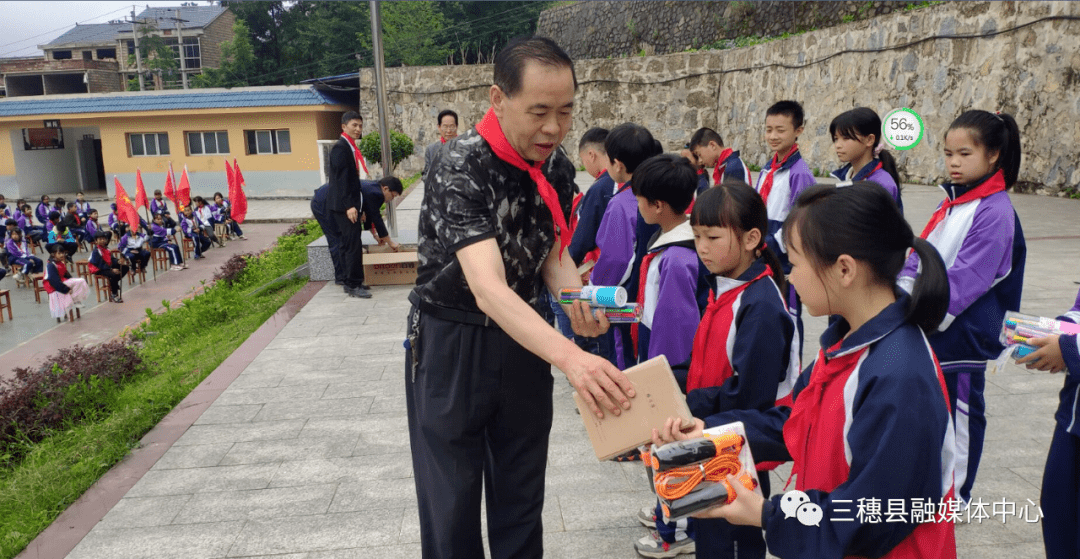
{"points": [[902, 129]]}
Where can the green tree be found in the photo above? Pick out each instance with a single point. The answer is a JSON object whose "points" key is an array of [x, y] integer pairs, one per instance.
{"points": [[238, 65], [158, 58], [411, 34]]}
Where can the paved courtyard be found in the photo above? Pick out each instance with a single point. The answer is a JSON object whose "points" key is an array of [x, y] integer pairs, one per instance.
{"points": [[305, 455]]}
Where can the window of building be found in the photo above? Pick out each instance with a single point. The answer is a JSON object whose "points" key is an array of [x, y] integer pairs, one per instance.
{"points": [[103, 54], [61, 55], [148, 144], [261, 142], [192, 51], [208, 143]]}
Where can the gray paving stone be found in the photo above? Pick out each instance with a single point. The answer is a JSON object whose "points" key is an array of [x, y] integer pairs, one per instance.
{"points": [[193, 541], [374, 495], [373, 387], [240, 432], [317, 533], [595, 510], [277, 394], [383, 423], [193, 456], [256, 504], [388, 404], [275, 366], [223, 413], [136, 512], [325, 342], [260, 452], [343, 470], [328, 376], [301, 409], [584, 479], [202, 480]]}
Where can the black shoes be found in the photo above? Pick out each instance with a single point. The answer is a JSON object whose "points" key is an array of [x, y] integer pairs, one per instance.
{"points": [[359, 292]]}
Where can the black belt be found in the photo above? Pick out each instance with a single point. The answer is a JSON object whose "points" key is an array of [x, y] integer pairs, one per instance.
{"points": [[452, 315]]}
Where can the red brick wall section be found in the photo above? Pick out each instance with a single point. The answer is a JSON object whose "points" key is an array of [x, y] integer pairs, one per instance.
{"points": [[102, 81], [219, 31], [41, 65]]}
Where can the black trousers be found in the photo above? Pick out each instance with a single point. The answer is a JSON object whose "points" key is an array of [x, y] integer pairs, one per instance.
{"points": [[352, 249], [480, 414], [116, 275], [333, 241]]}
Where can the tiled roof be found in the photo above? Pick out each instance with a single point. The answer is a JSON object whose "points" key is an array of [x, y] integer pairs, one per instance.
{"points": [[107, 33], [277, 96], [92, 34]]}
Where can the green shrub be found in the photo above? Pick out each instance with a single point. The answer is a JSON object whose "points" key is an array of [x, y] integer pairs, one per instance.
{"points": [[401, 146]]}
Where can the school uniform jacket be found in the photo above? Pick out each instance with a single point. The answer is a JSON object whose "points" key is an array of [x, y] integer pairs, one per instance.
{"points": [[1068, 413], [621, 239], [735, 169], [761, 344], [157, 207], [670, 313], [129, 244], [23, 222], [100, 259], [91, 229], [82, 208], [883, 431], [113, 220], [205, 216], [983, 247], [874, 172], [789, 181], [188, 227], [702, 183], [42, 212], [590, 212], [160, 235], [55, 274], [17, 251]]}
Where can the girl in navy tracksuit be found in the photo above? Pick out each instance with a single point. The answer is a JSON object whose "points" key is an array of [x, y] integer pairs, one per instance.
{"points": [[745, 354], [623, 236], [978, 234], [160, 238], [1060, 498], [870, 417], [856, 136]]}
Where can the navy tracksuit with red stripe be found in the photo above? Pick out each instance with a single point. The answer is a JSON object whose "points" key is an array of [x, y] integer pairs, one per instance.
{"points": [[1060, 497]]}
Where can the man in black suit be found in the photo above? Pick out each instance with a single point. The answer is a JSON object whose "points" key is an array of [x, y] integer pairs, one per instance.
{"points": [[375, 195], [346, 201]]}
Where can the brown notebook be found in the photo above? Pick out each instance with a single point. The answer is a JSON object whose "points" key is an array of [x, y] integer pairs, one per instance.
{"points": [[658, 398]]}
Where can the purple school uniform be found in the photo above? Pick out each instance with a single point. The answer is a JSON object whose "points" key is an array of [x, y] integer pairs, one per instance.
{"points": [[158, 207], [42, 212], [670, 314], [82, 208], [616, 240], [872, 171], [16, 251], [790, 180], [91, 229]]}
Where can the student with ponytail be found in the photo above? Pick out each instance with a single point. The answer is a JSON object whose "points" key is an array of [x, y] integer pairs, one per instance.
{"points": [[869, 419], [978, 234], [745, 352], [856, 136]]}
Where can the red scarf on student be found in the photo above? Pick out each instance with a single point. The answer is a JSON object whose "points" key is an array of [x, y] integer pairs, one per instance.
{"points": [[710, 364], [490, 129], [766, 185], [811, 433], [721, 166], [642, 276], [993, 185], [441, 139], [360, 163]]}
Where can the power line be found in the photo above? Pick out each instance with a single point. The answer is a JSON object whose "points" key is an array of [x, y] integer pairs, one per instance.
{"points": [[54, 31]]}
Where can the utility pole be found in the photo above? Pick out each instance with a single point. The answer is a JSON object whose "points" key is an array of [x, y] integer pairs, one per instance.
{"points": [[180, 39], [138, 55], [380, 92]]}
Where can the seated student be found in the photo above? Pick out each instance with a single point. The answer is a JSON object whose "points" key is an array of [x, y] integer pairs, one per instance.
{"points": [[375, 195], [74, 223], [133, 246], [60, 205], [222, 210], [9, 226], [43, 209], [91, 224], [82, 207], [25, 221], [158, 204], [5, 211], [725, 163], [59, 234], [664, 186], [856, 136], [1060, 497], [204, 216], [18, 252], [622, 236], [161, 238], [102, 264], [193, 231], [113, 218], [64, 291], [745, 352], [869, 419]]}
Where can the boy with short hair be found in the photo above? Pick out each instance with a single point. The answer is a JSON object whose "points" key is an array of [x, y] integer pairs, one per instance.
{"points": [[158, 204], [588, 212], [664, 186], [708, 148], [785, 175]]}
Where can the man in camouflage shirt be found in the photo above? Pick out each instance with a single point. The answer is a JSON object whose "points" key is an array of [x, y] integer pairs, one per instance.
{"points": [[478, 368]]}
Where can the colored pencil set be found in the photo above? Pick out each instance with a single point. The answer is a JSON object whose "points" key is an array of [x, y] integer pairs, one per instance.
{"points": [[1019, 329], [610, 298]]}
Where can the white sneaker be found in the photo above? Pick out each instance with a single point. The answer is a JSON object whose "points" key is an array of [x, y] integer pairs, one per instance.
{"points": [[176, 268], [647, 516], [653, 546]]}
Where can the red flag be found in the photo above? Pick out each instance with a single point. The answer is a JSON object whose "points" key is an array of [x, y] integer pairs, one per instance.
{"points": [[140, 191], [236, 194], [230, 177], [170, 190], [125, 210], [183, 192]]}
